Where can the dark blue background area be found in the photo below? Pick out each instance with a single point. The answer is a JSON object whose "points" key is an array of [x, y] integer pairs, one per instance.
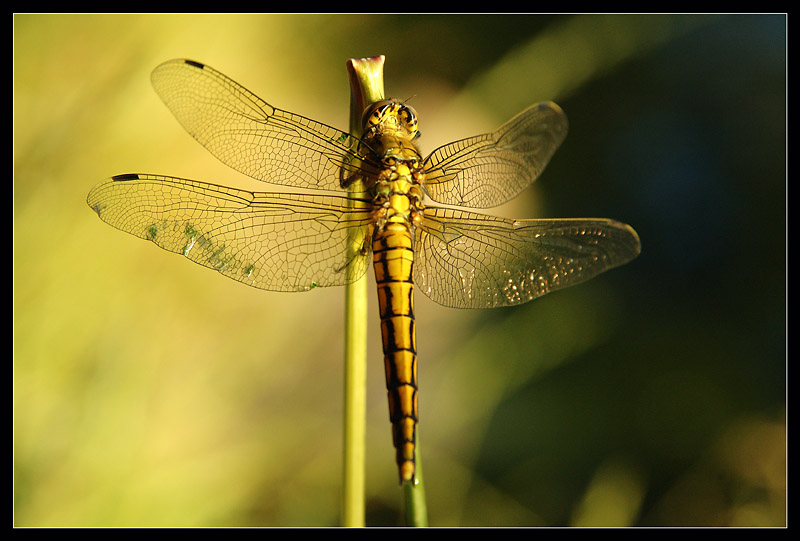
{"points": [[687, 144]]}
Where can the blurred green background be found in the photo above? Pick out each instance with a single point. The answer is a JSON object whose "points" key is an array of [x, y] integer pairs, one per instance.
{"points": [[149, 391]]}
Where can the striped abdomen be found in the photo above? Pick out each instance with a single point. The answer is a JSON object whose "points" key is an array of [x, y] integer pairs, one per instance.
{"points": [[393, 260]]}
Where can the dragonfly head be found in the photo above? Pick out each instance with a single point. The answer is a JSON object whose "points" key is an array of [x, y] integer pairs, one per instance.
{"points": [[390, 116]]}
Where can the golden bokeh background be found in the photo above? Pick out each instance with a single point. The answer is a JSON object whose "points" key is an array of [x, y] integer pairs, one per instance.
{"points": [[149, 391]]}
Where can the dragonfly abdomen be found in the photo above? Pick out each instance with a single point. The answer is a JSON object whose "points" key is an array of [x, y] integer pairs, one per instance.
{"points": [[393, 260]]}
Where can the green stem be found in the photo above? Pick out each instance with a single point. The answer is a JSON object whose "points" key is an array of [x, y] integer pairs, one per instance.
{"points": [[415, 509], [366, 85], [355, 396]]}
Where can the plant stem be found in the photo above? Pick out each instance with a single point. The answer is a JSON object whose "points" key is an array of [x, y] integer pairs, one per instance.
{"points": [[366, 85], [355, 405], [415, 508]]}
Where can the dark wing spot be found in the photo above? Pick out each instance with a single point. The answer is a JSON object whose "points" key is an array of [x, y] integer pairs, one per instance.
{"points": [[195, 64], [126, 176]]}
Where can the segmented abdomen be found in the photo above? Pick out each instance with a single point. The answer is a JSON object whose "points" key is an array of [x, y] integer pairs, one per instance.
{"points": [[393, 260]]}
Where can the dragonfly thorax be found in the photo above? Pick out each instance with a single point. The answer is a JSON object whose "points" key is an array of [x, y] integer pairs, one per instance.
{"points": [[398, 194]]}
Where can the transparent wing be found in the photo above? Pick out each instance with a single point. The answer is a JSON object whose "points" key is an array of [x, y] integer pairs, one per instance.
{"points": [[248, 134], [274, 241], [488, 170], [468, 260]]}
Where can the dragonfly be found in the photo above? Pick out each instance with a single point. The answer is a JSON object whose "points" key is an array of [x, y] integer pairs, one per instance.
{"points": [[362, 198]]}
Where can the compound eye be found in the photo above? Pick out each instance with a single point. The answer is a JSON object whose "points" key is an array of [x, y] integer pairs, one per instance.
{"points": [[374, 113], [409, 117]]}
